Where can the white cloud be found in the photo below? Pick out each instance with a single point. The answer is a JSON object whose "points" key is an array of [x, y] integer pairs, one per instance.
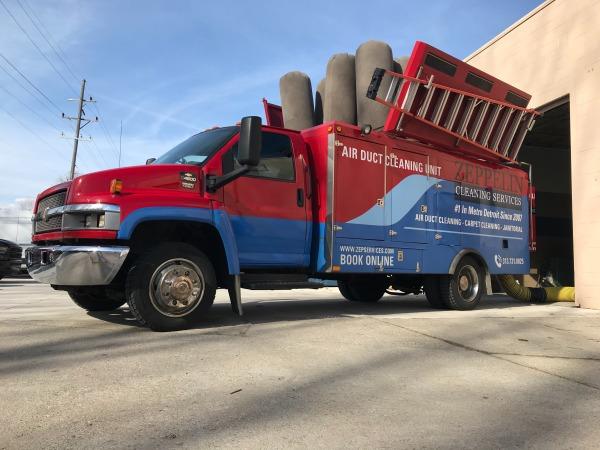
{"points": [[15, 220]]}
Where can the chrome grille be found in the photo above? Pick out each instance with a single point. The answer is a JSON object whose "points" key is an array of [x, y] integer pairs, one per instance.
{"points": [[53, 223]]}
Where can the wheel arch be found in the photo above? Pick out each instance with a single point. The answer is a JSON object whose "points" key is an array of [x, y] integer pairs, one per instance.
{"points": [[477, 256], [211, 233]]}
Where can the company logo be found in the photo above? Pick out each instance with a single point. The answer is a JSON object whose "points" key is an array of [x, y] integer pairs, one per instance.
{"points": [[498, 261]]}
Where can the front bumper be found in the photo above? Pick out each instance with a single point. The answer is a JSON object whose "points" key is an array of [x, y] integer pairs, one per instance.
{"points": [[75, 265]]}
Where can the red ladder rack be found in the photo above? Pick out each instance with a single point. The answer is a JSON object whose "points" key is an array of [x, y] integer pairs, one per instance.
{"points": [[494, 129]]}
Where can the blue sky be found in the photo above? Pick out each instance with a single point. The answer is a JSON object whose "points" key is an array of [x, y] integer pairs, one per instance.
{"points": [[169, 69]]}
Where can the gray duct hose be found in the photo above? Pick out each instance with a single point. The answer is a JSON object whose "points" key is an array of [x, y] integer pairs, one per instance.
{"points": [[296, 101], [319, 100], [400, 64], [369, 56], [340, 94]]}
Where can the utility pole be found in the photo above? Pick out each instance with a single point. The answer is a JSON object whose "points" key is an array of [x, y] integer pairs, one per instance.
{"points": [[78, 126]]}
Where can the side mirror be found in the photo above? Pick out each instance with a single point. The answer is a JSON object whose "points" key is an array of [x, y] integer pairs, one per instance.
{"points": [[150, 161], [250, 141]]}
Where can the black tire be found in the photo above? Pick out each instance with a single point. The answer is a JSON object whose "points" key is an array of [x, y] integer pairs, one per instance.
{"points": [[463, 290], [171, 287], [363, 289], [95, 299], [431, 286]]}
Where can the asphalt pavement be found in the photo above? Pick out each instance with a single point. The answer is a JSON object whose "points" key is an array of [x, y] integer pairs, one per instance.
{"points": [[301, 369]]}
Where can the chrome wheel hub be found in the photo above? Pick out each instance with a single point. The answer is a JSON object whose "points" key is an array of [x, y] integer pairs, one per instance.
{"points": [[468, 283], [176, 287]]}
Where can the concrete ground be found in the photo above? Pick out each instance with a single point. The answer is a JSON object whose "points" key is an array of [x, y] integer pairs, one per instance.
{"points": [[301, 369]]}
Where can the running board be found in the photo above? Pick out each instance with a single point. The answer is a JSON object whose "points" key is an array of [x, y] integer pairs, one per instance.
{"points": [[281, 285], [278, 281]]}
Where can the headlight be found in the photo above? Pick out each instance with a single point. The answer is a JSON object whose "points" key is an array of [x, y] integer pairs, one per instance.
{"points": [[3, 250], [94, 221], [91, 216]]}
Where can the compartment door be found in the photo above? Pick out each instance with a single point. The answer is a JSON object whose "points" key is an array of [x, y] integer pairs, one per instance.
{"points": [[358, 189], [410, 189]]}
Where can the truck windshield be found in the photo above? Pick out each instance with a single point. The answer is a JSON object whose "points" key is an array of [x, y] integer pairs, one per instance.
{"points": [[198, 148]]}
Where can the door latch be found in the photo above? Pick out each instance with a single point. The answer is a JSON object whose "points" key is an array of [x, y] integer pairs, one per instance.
{"points": [[337, 228], [392, 232]]}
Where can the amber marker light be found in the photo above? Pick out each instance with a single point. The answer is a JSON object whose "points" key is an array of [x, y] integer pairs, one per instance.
{"points": [[329, 129], [116, 186]]}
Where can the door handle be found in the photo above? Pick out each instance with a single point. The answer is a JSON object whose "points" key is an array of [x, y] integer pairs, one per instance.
{"points": [[300, 197], [307, 177]]}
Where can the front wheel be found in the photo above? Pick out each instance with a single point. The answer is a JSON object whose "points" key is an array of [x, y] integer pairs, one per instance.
{"points": [[171, 287], [463, 290], [363, 289], [95, 299]]}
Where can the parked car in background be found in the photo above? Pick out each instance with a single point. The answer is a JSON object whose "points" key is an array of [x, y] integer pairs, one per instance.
{"points": [[11, 258]]}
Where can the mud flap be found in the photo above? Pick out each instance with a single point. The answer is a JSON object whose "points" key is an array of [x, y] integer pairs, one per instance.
{"points": [[235, 295]]}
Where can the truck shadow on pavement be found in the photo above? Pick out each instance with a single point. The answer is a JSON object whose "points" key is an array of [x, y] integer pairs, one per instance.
{"points": [[288, 308], [16, 282]]}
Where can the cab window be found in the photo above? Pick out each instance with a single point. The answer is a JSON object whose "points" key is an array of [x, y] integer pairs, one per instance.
{"points": [[276, 158]]}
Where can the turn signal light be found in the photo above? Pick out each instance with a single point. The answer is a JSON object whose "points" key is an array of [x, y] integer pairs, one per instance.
{"points": [[116, 186]]}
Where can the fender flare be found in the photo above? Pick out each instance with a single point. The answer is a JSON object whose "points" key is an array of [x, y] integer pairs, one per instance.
{"points": [[219, 219]]}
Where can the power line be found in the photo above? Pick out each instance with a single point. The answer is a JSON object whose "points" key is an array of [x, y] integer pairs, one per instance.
{"points": [[47, 37], [31, 131], [106, 132], [60, 55], [56, 44], [30, 109], [26, 89], [99, 152], [30, 82], [35, 45]]}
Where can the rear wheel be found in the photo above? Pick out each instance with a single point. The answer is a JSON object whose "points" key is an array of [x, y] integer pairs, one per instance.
{"points": [[171, 287], [96, 299], [463, 289], [363, 289], [431, 286]]}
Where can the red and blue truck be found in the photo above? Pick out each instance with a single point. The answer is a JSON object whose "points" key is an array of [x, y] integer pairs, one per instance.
{"points": [[433, 202]]}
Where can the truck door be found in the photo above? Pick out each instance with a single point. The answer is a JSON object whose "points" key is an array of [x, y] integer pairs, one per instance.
{"points": [[267, 206], [358, 189], [410, 210]]}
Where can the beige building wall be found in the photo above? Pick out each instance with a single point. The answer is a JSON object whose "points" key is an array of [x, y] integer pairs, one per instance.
{"points": [[552, 52]]}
